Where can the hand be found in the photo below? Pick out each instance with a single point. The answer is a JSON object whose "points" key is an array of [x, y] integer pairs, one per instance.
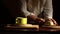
{"points": [[55, 23], [32, 17], [40, 20], [36, 19]]}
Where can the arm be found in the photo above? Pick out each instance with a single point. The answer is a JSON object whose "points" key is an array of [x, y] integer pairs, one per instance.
{"points": [[24, 7], [27, 13], [48, 9]]}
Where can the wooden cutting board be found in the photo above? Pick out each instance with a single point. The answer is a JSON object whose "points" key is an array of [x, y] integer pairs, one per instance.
{"points": [[58, 27], [23, 26]]}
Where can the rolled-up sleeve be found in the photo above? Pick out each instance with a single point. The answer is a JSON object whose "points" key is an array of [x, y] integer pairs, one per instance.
{"points": [[24, 8], [48, 9]]}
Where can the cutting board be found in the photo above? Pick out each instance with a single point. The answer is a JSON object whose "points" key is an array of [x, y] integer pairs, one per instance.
{"points": [[22, 26], [55, 27]]}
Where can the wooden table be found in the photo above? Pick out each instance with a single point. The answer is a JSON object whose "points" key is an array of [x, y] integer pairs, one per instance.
{"points": [[50, 28], [27, 27], [30, 27]]}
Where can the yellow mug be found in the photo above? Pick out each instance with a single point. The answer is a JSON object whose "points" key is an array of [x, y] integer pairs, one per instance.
{"points": [[21, 20]]}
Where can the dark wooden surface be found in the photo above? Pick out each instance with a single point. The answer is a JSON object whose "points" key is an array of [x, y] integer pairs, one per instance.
{"points": [[33, 29], [21, 28], [50, 28]]}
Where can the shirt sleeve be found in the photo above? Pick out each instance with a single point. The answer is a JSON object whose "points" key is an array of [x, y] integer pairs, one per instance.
{"points": [[24, 8], [48, 9]]}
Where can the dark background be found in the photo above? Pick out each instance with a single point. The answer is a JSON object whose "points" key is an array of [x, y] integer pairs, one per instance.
{"points": [[9, 11]]}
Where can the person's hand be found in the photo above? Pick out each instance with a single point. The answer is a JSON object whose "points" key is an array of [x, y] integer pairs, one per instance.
{"points": [[40, 20], [53, 21], [36, 19], [32, 17]]}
